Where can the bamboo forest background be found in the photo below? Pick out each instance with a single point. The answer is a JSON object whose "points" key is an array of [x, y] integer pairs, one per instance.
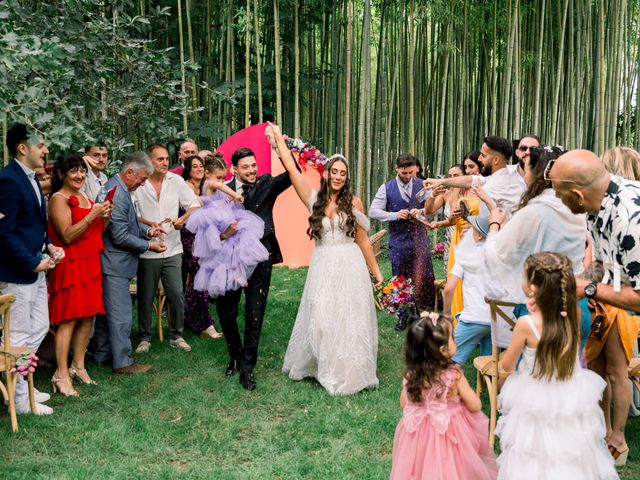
{"points": [[367, 78]]}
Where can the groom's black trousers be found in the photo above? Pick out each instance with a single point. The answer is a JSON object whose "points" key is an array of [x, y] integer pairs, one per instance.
{"points": [[256, 293]]}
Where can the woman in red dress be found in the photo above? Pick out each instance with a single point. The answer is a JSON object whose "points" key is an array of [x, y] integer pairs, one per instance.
{"points": [[75, 288]]}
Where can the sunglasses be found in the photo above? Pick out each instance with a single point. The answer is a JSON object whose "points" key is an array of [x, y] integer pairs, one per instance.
{"points": [[524, 148], [547, 171]]}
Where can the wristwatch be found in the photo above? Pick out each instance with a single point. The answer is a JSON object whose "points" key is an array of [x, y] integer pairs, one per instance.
{"points": [[590, 290]]}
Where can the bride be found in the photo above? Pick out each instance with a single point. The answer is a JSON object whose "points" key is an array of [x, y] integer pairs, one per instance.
{"points": [[335, 336]]}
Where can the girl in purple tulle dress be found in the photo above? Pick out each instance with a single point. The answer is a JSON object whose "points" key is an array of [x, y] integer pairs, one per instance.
{"points": [[225, 264], [442, 434]]}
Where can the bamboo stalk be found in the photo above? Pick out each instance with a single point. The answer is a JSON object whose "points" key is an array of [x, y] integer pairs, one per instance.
{"points": [[296, 73], [192, 59], [247, 65], [258, 61], [347, 91], [276, 35]]}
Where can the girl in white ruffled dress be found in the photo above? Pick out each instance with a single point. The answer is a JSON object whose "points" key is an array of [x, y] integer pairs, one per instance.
{"points": [[551, 426]]}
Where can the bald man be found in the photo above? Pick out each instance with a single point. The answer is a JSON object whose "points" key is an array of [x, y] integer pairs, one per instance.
{"points": [[613, 207], [187, 149]]}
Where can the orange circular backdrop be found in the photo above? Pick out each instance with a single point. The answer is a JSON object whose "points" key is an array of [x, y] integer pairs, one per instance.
{"points": [[291, 219]]}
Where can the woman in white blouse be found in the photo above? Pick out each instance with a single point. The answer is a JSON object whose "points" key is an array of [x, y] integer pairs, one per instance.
{"points": [[542, 223]]}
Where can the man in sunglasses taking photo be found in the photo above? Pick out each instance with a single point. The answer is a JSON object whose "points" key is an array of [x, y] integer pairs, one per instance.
{"points": [[522, 152]]}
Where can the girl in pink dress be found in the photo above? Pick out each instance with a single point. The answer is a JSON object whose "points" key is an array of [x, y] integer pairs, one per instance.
{"points": [[442, 434]]}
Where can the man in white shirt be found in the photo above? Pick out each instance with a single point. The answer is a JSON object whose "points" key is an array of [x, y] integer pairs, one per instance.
{"points": [[503, 189], [96, 157], [159, 201], [522, 153]]}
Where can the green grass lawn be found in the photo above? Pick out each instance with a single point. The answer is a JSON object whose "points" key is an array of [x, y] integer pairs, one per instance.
{"points": [[186, 420]]}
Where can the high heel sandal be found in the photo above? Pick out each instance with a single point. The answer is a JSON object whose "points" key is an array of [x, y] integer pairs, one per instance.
{"points": [[619, 457], [211, 333], [74, 373], [55, 380]]}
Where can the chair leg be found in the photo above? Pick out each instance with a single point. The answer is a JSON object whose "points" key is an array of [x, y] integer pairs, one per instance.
{"points": [[32, 393], [494, 410], [159, 304], [11, 390], [478, 383]]}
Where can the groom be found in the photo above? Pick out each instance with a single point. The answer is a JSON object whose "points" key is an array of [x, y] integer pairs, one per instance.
{"points": [[260, 195], [397, 202]]}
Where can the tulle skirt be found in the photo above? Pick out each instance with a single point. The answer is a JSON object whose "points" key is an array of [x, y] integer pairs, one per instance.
{"points": [[335, 336], [553, 430], [460, 453], [225, 265]]}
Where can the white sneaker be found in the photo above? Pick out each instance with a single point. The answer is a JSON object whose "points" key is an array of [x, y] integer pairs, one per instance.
{"points": [[143, 347], [22, 408], [41, 397], [181, 344]]}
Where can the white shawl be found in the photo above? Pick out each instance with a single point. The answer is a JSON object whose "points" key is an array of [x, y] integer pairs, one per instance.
{"points": [[544, 225]]}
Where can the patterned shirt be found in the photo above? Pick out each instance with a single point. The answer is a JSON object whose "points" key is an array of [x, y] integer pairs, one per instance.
{"points": [[616, 233]]}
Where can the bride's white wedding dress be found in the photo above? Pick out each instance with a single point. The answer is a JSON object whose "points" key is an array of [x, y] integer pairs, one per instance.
{"points": [[335, 336]]}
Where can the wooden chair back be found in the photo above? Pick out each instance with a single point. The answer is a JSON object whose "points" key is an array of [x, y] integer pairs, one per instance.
{"points": [[376, 241], [487, 367]]}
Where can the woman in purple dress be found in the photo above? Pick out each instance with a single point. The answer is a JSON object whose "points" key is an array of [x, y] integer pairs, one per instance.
{"points": [[197, 315]]}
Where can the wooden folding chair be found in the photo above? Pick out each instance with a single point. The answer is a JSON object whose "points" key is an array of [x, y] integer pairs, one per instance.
{"points": [[376, 241], [158, 305], [634, 371], [8, 356], [486, 366], [376, 244], [439, 284]]}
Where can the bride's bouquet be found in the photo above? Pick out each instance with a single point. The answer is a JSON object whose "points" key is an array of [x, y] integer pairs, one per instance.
{"points": [[396, 296]]}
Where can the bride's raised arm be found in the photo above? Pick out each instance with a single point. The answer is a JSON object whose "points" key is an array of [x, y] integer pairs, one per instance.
{"points": [[274, 135]]}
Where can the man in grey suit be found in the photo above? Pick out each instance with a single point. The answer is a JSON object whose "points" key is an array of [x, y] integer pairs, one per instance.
{"points": [[124, 240]]}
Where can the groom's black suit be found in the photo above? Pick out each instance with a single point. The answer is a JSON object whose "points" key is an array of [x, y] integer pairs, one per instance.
{"points": [[259, 199]]}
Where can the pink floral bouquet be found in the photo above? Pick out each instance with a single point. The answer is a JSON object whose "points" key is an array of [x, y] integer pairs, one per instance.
{"points": [[26, 363], [396, 296], [438, 250], [306, 154]]}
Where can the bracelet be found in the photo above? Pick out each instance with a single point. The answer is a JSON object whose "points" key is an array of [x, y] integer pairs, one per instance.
{"points": [[495, 223]]}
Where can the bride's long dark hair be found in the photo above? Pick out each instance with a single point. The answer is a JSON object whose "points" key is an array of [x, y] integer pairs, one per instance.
{"points": [[344, 201]]}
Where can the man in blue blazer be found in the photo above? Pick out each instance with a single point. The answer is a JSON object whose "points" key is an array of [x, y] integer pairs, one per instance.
{"points": [[124, 240], [26, 250]]}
